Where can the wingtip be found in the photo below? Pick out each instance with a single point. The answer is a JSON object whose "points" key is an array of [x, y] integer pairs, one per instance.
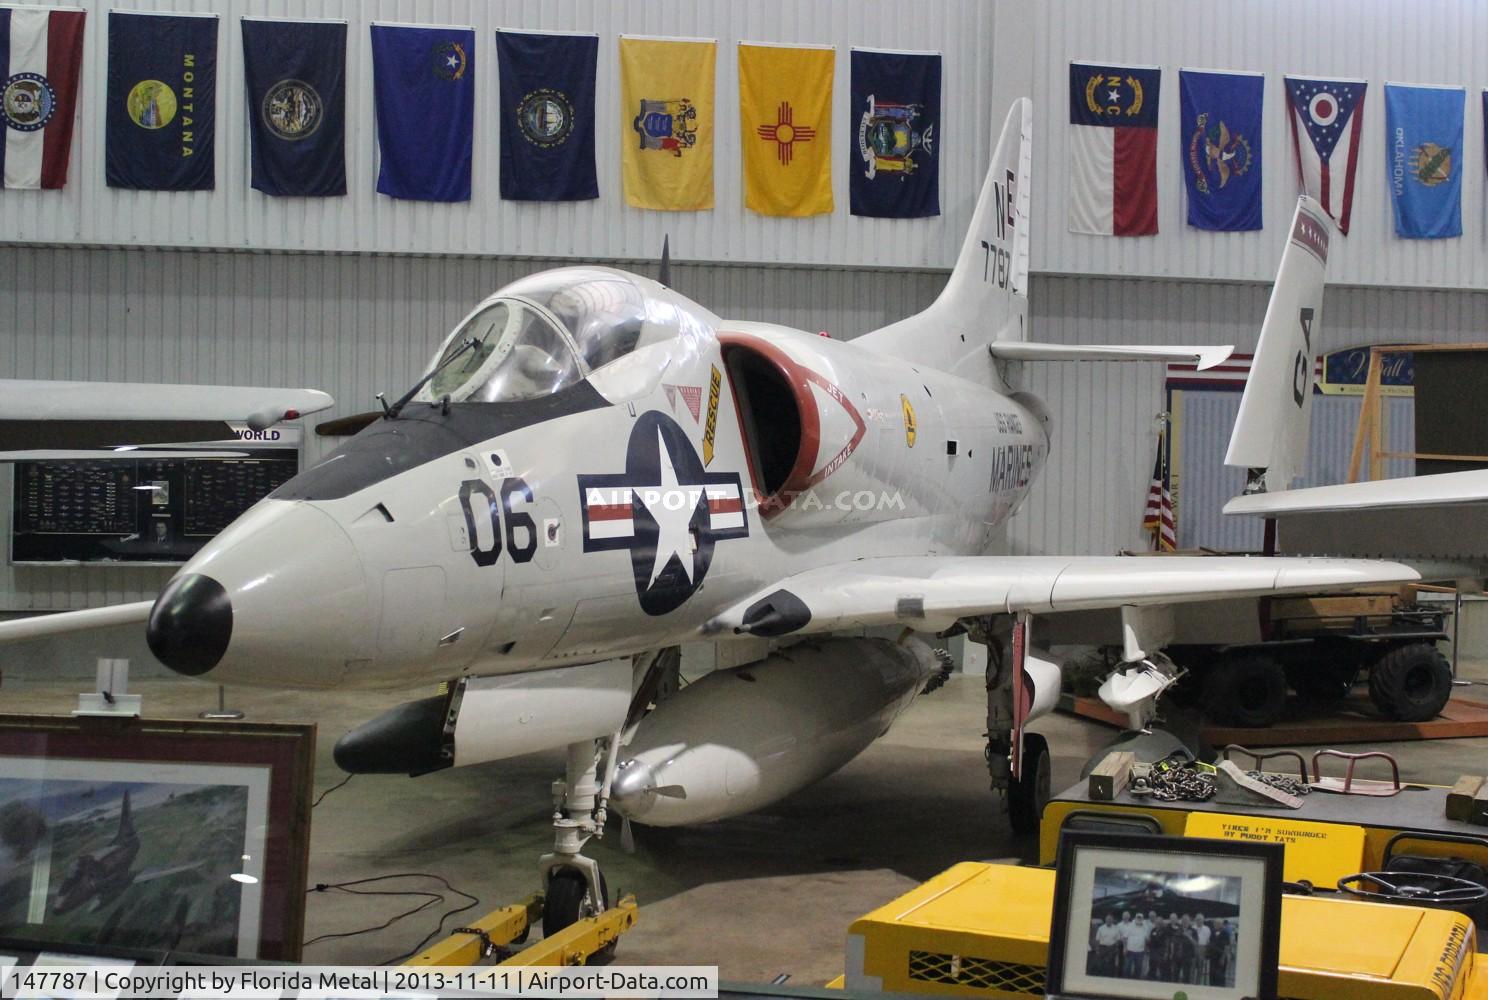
{"points": [[1211, 357]]}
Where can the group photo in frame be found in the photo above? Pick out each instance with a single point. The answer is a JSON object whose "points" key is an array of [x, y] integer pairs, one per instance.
{"points": [[1147, 917], [161, 835]]}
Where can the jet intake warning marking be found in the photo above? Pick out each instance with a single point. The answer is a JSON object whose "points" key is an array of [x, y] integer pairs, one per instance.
{"points": [[666, 509]]}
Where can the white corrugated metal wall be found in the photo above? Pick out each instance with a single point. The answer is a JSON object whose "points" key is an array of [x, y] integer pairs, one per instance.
{"points": [[235, 216]]}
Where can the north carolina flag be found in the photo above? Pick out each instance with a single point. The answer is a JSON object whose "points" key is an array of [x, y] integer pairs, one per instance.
{"points": [[785, 124], [1327, 117], [1113, 149], [41, 55]]}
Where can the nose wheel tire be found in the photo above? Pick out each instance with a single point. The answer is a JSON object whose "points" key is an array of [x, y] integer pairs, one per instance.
{"points": [[567, 902], [1028, 795]]}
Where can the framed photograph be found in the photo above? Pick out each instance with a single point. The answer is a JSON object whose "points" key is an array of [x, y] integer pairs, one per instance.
{"points": [[147, 834], [1147, 917]]}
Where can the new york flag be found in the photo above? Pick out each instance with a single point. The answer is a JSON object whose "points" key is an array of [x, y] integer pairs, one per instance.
{"points": [[1113, 149], [1327, 117], [41, 54]]}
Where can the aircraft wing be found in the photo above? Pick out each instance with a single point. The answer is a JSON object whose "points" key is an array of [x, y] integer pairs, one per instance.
{"points": [[37, 415], [930, 592], [40, 626]]}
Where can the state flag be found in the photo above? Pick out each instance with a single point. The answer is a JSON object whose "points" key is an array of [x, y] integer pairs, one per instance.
{"points": [[1423, 159], [295, 73], [41, 55], [1221, 140], [547, 115], [667, 123], [423, 82], [895, 155], [162, 102], [1113, 149], [1327, 118], [785, 124]]}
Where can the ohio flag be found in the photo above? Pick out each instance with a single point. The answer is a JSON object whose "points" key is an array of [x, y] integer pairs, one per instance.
{"points": [[1327, 117], [41, 54], [1113, 149]]}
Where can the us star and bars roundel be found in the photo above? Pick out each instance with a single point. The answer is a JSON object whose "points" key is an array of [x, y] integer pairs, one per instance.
{"points": [[27, 102], [666, 509], [292, 110]]}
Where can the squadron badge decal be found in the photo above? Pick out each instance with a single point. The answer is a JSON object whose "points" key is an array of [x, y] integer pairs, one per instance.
{"points": [[666, 509]]}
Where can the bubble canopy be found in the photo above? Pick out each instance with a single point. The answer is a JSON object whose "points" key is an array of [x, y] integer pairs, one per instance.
{"points": [[539, 335]]}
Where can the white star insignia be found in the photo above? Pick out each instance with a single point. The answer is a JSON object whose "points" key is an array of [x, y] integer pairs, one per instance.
{"points": [[672, 505]]}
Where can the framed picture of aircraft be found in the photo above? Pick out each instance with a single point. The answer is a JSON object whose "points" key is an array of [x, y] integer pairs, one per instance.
{"points": [[1153, 917], [162, 835]]}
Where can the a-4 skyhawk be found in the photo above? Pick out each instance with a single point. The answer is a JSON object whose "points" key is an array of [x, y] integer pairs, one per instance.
{"points": [[594, 470]]}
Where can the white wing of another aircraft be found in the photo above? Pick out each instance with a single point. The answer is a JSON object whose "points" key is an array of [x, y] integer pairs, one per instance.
{"points": [[38, 415]]}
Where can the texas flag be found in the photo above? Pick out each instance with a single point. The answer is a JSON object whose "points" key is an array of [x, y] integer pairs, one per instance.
{"points": [[1327, 117], [1113, 149], [41, 54]]}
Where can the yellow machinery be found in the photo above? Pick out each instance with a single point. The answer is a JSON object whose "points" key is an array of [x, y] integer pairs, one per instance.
{"points": [[982, 930], [574, 945]]}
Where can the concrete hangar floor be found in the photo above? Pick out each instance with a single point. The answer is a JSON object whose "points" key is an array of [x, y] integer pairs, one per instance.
{"points": [[759, 895]]}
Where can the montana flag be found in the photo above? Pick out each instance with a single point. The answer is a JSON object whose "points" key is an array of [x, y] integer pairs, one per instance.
{"points": [[894, 159], [1423, 159], [666, 123], [547, 116], [162, 102], [1221, 137], [295, 72], [41, 55], [1113, 149], [423, 83], [785, 119], [1327, 117]]}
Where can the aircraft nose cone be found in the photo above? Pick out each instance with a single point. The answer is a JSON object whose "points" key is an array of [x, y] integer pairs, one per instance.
{"points": [[191, 624]]}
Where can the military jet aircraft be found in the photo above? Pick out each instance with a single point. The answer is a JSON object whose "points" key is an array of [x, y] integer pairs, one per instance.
{"points": [[594, 470]]}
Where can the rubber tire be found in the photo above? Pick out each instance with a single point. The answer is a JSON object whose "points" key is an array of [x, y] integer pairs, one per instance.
{"points": [[565, 897], [1411, 683], [1246, 689], [1028, 795]]}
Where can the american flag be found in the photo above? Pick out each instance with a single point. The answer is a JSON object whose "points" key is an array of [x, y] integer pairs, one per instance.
{"points": [[1157, 517]]}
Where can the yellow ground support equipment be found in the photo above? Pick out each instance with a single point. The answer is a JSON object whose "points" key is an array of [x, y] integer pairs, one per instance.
{"points": [[982, 930], [500, 929]]}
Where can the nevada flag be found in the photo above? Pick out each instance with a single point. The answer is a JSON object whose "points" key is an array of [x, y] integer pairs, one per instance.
{"points": [[423, 84], [1113, 149], [41, 54]]}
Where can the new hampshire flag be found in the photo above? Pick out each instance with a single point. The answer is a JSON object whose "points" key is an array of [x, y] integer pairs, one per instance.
{"points": [[547, 115], [1221, 137], [423, 82], [1423, 159]]}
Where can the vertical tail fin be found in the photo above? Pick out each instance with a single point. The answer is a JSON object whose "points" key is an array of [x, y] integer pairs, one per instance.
{"points": [[986, 298], [1270, 437]]}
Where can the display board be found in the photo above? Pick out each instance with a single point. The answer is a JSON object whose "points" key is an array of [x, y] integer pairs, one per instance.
{"points": [[137, 509]]}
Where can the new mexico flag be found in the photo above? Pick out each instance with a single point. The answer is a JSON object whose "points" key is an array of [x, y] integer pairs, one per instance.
{"points": [[666, 115], [785, 117]]}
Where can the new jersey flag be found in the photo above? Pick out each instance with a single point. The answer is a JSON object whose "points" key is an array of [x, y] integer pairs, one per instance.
{"points": [[895, 162], [785, 119], [1113, 149], [1327, 117], [1423, 159], [423, 82], [547, 116], [162, 101], [666, 123], [1221, 137], [41, 54], [295, 73]]}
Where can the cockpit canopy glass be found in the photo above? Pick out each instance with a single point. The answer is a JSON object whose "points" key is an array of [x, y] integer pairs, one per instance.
{"points": [[542, 334]]}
